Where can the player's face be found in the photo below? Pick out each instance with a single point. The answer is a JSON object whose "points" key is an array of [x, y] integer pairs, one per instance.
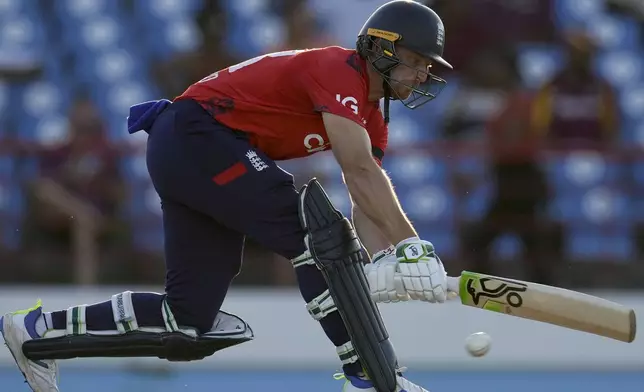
{"points": [[412, 71]]}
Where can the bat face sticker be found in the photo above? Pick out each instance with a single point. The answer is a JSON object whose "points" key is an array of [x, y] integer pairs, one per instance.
{"points": [[496, 288]]}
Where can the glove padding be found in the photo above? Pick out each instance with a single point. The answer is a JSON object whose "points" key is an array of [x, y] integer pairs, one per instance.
{"points": [[411, 270], [385, 282]]}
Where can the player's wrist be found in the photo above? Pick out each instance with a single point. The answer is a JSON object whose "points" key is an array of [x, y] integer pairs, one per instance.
{"points": [[382, 254]]}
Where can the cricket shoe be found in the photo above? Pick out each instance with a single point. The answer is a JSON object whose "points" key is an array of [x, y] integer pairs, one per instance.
{"points": [[363, 384], [17, 328]]}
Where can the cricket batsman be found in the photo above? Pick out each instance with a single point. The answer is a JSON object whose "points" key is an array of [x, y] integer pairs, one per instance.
{"points": [[211, 156]]}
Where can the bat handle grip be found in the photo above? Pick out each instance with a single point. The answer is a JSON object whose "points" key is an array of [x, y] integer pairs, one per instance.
{"points": [[453, 284]]}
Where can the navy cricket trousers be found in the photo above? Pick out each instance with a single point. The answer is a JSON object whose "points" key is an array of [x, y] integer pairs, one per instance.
{"points": [[215, 190]]}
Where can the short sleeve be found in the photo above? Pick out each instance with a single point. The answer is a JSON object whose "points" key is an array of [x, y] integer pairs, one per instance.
{"points": [[378, 133], [335, 87]]}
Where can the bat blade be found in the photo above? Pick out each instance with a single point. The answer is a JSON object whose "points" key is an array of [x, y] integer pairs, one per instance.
{"points": [[548, 304]]}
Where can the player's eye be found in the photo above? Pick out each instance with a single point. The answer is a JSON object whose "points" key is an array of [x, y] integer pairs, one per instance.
{"points": [[424, 63]]}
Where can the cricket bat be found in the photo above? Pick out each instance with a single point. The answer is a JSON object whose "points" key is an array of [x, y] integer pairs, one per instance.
{"points": [[553, 305]]}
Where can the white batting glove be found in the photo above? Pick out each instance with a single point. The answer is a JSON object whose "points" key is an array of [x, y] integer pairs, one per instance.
{"points": [[385, 282], [411, 270], [422, 271]]}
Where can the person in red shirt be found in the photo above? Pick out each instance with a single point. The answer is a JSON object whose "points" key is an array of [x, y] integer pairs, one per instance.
{"points": [[276, 99], [212, 156]]}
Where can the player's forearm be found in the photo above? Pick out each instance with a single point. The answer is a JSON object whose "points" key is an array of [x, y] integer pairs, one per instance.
{"points": [[372, 192], [370, 234]]}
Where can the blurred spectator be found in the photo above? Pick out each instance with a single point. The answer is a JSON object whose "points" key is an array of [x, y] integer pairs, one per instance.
{"points": [[176, 74], [75, 201], [465, 35], [521, 195], [485, 83], [496, 108], [481, 25], [577, 107], [516, 21], [304, 30]]}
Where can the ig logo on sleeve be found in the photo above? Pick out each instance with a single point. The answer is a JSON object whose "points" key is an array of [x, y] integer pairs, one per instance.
{"points": [[346, 100]]}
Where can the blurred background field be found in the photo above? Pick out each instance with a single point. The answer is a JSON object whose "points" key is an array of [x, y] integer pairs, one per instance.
{"points": [[532, 159]]}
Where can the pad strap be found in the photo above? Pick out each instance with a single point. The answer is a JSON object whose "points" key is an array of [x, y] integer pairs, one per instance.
{"points": [[123, 312], [170, 322], [303, 259], [321, 305], [347, 353], [76, 320]]}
